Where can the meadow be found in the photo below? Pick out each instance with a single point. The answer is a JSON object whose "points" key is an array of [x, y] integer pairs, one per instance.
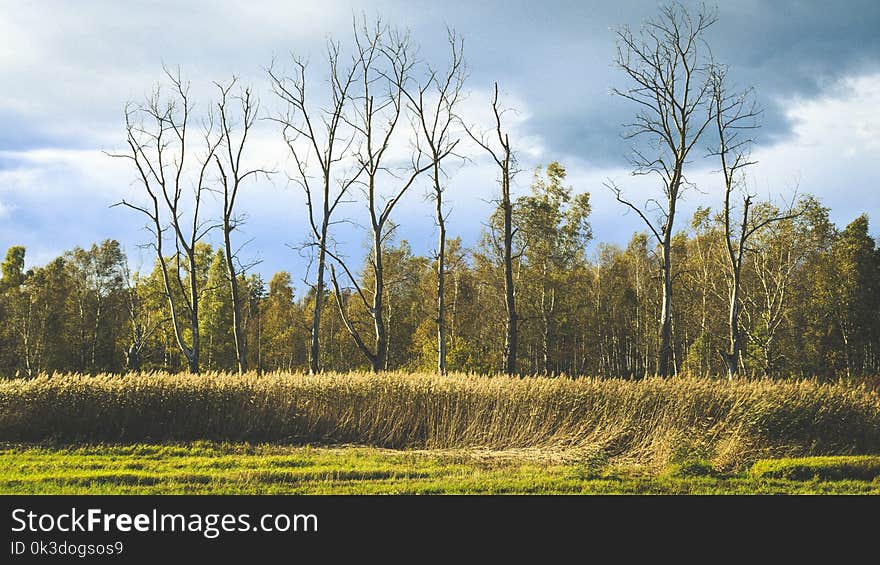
{"points": [[412, 433], [217, 468]]}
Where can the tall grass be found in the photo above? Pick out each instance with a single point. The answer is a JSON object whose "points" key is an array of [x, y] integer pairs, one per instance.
{"points": [[652, 421]]}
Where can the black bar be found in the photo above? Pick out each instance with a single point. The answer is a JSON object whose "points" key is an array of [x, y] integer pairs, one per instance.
{"points": [[442, 526]]}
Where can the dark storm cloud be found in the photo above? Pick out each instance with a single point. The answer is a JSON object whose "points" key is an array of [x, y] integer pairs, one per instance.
{"points": [[559, 57], [556, 55]]}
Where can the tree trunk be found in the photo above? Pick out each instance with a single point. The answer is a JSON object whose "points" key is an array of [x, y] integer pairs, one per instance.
{"points": [[768, 356], [441, 280], [847, 352], [315, 344], [378, 360], [133, 354], [188, 352], [456, 282], [509, 292], [195, 351], [666, 313], [82, 333], [731, 357], [237, 333], [95, 331], [259, 339], [547, 313], [545, 340]]}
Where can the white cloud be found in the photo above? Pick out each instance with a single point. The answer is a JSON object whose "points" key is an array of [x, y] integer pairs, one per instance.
{"points": [[833, 150], [102, 173]]}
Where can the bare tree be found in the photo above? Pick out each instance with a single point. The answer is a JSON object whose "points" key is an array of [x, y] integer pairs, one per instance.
{"points": [[232, 173], [736, 114], [503, 157], [433, 104], [161, 152], [672, 91], [325, 138], [384, 67]]}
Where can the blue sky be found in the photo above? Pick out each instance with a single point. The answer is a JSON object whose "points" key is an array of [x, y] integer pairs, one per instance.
{"points": [[69, 67]]}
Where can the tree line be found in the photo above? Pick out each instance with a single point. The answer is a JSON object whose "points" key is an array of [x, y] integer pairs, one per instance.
{"points": [[748, 286]]}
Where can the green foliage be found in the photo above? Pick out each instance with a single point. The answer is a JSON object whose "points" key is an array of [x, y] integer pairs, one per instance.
{"points": [[241, 468], [215, 318], [690, 468], [835, 468], [700, 350], [98, 305], [12, 269], [280, 343], [464, 356]]}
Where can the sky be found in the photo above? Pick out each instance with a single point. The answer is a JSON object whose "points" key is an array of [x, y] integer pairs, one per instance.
{"points": [[68, 68]]}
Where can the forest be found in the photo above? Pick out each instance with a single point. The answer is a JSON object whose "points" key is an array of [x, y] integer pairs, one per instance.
{"points": [[746, 287], [810, 306]]}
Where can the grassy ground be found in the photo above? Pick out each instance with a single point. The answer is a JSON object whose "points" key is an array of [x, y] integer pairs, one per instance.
{"points": [[214, 468], [419, 433]]}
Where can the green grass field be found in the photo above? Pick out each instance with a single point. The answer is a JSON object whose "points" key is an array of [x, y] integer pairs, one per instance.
{"points": [[240, 468]]}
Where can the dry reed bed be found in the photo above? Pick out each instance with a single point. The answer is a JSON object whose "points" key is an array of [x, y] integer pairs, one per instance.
{"points": [[651, 421]]}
